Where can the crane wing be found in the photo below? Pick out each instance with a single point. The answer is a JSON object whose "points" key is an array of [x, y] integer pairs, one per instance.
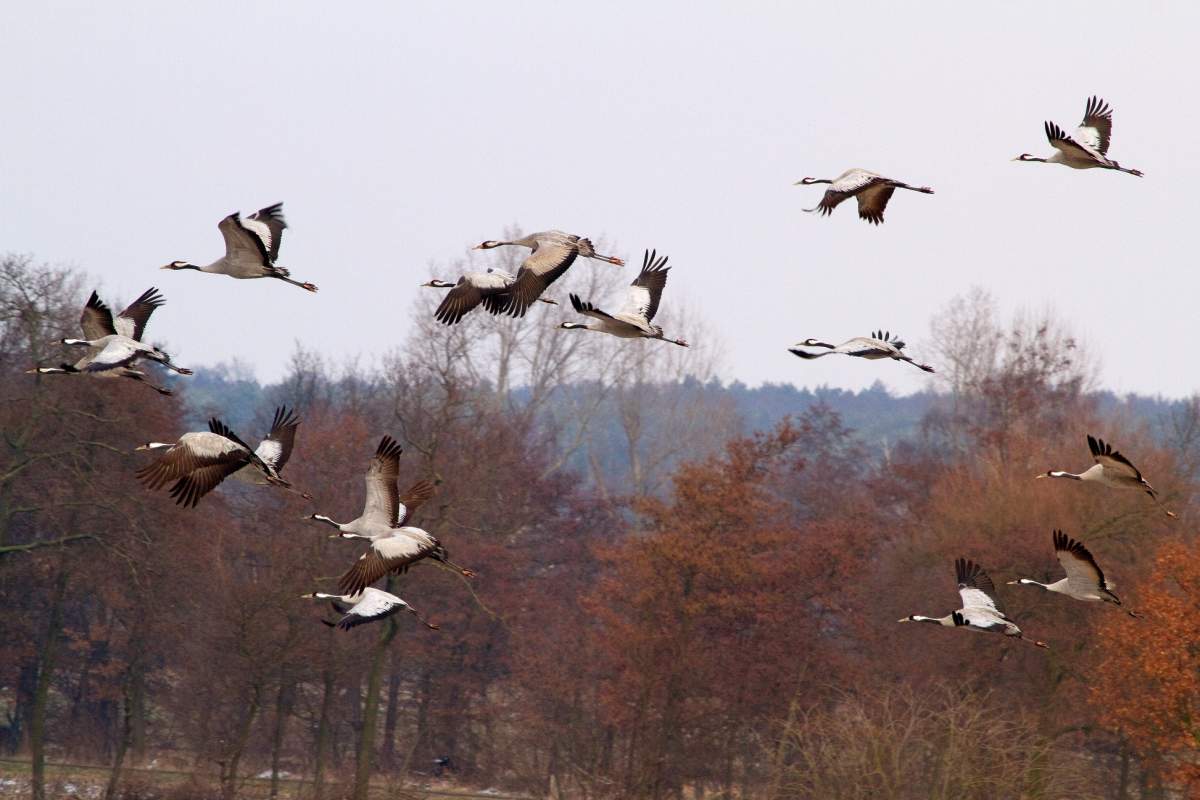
{"points": [[873, 200], [132, 321], [268, 224], [546, 264], [862, 346], [197, 463], [1060, 141], [982, 619], [374, 605], [390, 554], [975, 587], [96, 320], [114, 355], [1082, 570], [848, 184], [1096, 129], [887, 338], [276, 448], [460, 300], [412, 499], [646, 290], [589, 310], [1108, 458], [242, 244], [383, 497]]}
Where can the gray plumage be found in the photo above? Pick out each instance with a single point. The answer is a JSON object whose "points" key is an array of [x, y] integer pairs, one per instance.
{"points": [[878, 345], [1087, 148], [870, 189], [251, 248], [553, 253]]}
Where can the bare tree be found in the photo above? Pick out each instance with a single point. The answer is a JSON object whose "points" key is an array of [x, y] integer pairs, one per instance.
{"points": [[938, 743]]}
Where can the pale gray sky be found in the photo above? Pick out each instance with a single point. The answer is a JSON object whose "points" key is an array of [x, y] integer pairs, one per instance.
{"points": [[401, 133]]}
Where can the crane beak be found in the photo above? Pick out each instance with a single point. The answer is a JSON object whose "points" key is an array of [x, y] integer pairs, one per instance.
{"points": [[1011, 583], [307, 596], [904, 619]]}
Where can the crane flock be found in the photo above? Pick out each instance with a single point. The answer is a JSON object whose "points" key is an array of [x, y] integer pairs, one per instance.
{"points": [[197, 462]]}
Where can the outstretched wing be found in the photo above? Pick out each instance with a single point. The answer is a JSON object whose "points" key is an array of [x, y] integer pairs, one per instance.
{"points": [[383, 497], [980, 618], [267, 225], [886, 336], [1060, 141], [1081, 568], [96, 320], [114, 355], [391, 554], [974, 586], [546, 264], [374, 605], [460, 300], [196, 463], [863, 346], [412, 499], [1096, 128], [589, 310], [132, 321], [242, 244], [1104, 455], [276, 448], [646, 290], [873, 200], [848, 184]]}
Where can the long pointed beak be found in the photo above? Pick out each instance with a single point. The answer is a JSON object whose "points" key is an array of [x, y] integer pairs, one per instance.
{"points": [[905, 619]]}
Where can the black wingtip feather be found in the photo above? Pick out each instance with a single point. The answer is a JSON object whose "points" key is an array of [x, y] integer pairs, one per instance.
{"points": [[388, 448]]}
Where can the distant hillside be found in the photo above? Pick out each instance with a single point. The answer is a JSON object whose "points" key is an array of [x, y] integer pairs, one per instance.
{"points": [[878, 418]]}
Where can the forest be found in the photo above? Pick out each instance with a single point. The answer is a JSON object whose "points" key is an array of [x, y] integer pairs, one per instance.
{"points": [[684, 588]]}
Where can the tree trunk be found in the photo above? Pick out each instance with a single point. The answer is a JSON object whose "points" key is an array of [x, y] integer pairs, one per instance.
{"points": [[328, 690], [370, 716], [135, 699], [233, 757], [422, 734], [114, 778], [1123, 783], [387, 752], [282, 709], [37, 721]]}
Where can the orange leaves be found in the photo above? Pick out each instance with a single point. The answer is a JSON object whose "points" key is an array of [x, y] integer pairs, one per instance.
{"points": [[1147, 683]]}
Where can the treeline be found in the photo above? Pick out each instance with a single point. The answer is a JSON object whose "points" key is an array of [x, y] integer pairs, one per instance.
{"points": [[705, 606], [876, 418]]}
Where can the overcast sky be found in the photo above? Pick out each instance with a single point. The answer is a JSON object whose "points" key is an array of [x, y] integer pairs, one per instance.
{"points": [[399, 134]]}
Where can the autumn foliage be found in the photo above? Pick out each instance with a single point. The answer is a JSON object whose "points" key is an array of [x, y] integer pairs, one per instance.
{"points": [[679, 608], [1147, 682]]}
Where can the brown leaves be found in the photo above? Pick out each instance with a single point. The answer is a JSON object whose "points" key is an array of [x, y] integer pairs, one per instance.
{"points": [[1147, 682]]}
